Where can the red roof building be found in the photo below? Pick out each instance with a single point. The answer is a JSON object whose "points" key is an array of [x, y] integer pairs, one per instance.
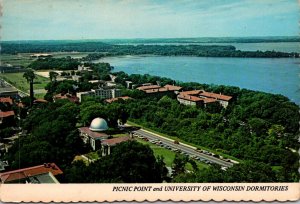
{"points": [[117, 98], [6, 100], [143, 88], [5, 114], [71, 98], [95, 135], [37, 174], [198, 97], [173, 88], [149, 89], [114, 141], [214, 95]]}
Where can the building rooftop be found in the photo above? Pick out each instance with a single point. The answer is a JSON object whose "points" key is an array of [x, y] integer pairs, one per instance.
{"points": [[98, 125], [92, 134], [117, 98], [6, 100], [216, 96], [25, 173], [7, 89], [173, 88], [189, 97], [71, 98], [4, 114], [114, 141], [193, 92], [143, 88]]}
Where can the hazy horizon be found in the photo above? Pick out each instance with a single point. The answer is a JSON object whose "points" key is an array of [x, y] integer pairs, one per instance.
{"points": [[135, 19], [158, 38]]}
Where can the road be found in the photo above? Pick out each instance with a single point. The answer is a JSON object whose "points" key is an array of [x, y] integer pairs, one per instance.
{"points": [[182, 147]]}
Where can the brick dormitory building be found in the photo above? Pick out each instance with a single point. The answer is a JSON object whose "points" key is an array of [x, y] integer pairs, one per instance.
{"points": [[201, 97], [194, 97]]}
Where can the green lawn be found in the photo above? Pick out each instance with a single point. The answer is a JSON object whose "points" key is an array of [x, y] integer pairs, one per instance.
{"points": [[24, 59], [181, 141], [17, 80], [168, 155], [16, 60]]}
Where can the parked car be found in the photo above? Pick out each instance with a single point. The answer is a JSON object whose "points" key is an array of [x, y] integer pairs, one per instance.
{"points": [[176, 142]]}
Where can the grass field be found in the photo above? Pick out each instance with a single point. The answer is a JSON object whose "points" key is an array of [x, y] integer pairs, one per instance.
{"points": [[24, 59], [17, 80], [71, 54], [168, 155], [16, 60], [181, 141]]}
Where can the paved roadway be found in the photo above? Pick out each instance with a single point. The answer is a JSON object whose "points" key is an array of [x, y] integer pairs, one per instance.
{"points": [[182, 147]]}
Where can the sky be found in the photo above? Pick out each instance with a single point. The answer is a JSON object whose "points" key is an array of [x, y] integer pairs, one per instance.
{"points": [[111, 19]]}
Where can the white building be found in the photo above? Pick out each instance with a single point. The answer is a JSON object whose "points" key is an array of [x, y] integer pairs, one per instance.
{"points": [[100, 93]]}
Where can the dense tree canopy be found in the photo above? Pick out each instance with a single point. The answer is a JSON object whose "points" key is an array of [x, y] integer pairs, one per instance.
{"points": [[130, 162], [141, 49], [53, 136]]}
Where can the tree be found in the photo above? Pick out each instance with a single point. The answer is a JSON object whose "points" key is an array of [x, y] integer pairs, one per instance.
{"points": [[179, 164], [129, 162], [30, 76], [53, 76]]}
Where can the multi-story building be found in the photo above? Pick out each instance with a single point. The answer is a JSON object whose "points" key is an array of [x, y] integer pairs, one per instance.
{"points": [[200, 97], [100, 93]]}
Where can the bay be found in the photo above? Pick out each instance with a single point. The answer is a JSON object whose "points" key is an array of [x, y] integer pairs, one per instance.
{"points": [[272, 75]]}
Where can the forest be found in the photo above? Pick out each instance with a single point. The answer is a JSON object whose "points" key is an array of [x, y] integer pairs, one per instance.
{"points": [[117, 50]]}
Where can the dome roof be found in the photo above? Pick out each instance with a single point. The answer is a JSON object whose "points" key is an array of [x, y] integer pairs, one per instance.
{"points": [[98, 124]]}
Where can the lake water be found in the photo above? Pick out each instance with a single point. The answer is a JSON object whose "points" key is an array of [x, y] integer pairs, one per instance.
{"points": [[279, 76]]}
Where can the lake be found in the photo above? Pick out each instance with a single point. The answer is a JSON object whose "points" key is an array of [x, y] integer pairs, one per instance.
{"points": [[278, 75]]}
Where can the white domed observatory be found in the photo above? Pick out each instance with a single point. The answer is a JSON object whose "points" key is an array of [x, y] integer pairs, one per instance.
{"points": [[94, 134], [98, 125]]}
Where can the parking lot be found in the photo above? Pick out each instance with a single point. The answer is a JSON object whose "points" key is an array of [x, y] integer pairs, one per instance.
{"points": [[173, 145]]}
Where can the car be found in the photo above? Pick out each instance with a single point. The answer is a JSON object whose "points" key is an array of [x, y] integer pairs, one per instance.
{"points": [[176, 142], [146, 139], [216, 155]]}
